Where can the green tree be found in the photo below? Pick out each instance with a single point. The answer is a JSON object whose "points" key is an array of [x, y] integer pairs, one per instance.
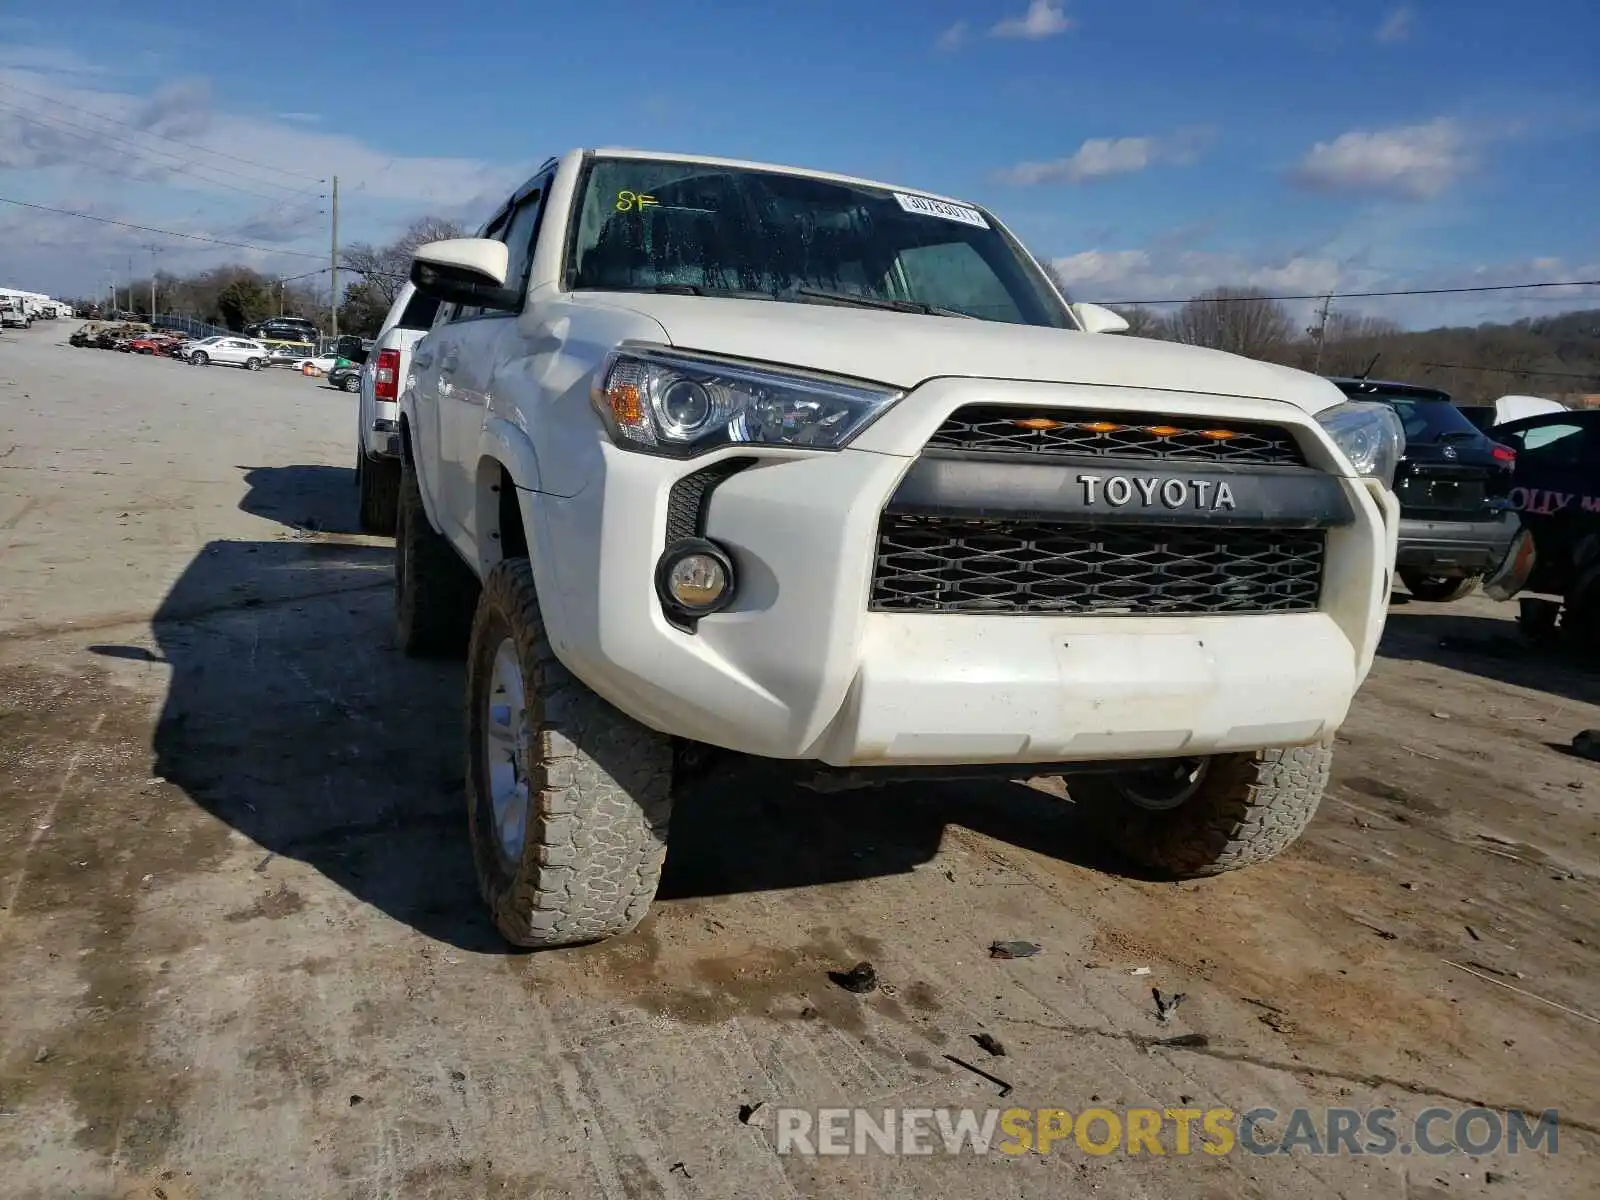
{"points": [[246, 300], [363, 309]]}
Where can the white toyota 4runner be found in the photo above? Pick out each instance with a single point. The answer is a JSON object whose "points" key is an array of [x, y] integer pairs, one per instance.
{"points": [[703, 455]]}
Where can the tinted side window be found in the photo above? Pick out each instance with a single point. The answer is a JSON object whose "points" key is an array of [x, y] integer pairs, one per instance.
{"points": [[420, 312], [520, 239], [495, 232], [1556, 444]]}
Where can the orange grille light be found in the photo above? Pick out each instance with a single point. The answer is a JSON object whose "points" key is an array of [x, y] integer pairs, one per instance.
{"points": [[1163, 430], [1217, 435], [1038, 423], [1099, 426]]}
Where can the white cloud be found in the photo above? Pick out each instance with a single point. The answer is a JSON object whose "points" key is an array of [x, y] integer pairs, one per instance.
{"points": [[1112, 275], [1416, 162], [304, 118], [176, 159], [954, 37], [1043, 19], [1397, 25], [1102, 158], [1153, 273]]}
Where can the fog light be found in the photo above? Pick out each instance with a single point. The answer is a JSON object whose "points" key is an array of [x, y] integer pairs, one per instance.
{"points": [[697, 581], [695, 578]]}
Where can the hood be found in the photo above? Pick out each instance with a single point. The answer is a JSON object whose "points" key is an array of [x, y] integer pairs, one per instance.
{"points": [[907, 349]]}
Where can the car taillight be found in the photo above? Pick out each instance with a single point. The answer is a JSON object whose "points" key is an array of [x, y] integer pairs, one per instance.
{"points": [[1504, 454], [385, 381]]}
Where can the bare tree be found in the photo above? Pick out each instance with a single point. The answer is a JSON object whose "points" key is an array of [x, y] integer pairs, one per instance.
{"points": [[386, 268], [1353, 344], [1143, 322], [1238, 320]]}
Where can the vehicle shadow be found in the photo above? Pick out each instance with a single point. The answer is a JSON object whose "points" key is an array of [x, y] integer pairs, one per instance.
{"points": [[292, 716], [318, 498], [753, 829], [1488, 647]]}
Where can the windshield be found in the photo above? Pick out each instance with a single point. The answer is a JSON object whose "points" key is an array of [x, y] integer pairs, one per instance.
{"points": [[645, 225]]}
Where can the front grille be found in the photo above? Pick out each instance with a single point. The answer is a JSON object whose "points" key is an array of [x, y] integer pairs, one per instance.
{"points": [[990, 429], [938, 564]]}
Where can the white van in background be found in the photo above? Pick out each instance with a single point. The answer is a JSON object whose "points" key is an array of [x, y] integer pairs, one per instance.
{"points": [[378, 413]]}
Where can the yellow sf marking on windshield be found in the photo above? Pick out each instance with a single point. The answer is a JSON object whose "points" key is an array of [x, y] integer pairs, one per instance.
{"points": [[629, 201]]}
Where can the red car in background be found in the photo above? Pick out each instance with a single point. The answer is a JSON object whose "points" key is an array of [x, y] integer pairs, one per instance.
{"points": [[151, 344]]}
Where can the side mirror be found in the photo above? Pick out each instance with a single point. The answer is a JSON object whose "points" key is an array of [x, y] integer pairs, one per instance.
{"points": [[469, 271], [1096, 318]]}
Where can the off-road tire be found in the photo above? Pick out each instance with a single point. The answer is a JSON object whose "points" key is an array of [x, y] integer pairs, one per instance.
{"points": [[599, 788], [434, 592], [1437, 589], [379, 484], [1249, 808]]}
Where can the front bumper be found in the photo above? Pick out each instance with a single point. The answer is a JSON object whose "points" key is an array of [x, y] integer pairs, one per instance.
{"points": [[798, 668], [1455, 548]]}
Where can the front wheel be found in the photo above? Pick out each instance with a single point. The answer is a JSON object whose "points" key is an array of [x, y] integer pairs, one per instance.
{"points": [[1207, 816], [352, 384], [199, 358], [253, 364], [568, 798], [1437, 589]]}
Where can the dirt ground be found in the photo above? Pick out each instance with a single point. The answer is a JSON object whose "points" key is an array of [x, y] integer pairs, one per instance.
{"points": [[243, 953]]}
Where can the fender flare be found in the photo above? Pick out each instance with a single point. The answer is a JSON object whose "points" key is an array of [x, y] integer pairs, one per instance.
{"points": [[510, 446]]}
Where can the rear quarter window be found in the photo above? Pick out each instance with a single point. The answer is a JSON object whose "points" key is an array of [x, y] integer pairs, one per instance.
{"points": [[419, 313]]}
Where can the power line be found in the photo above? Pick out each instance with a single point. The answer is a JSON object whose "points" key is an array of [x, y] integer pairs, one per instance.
{"points": [[1515, 371], [183, 165], [193, 237], [1452, 291], [152, 133]]}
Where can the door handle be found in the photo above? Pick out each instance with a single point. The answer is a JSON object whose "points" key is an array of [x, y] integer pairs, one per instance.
{"points": [[448, 363]]}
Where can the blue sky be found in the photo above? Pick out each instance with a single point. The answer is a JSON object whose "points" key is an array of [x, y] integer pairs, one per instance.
{"points": [[1148, 149]]}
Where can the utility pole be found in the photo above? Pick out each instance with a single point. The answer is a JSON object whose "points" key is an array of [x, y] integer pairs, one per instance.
{"points": [[333, 262], [152, 285], [1322, 330]]}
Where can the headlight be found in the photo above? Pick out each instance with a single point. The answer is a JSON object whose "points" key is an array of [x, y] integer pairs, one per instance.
{"points": [[677, 404], [1370, 434]]}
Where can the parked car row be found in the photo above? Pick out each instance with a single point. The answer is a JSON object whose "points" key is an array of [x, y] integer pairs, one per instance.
{"points": [[221, 350]]}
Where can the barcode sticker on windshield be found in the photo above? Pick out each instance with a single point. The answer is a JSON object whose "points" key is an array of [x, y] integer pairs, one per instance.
{"points": [[923, 206]]}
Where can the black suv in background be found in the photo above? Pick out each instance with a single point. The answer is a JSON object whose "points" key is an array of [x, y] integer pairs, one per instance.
{"points": [[284, 329], [1453, 485]]}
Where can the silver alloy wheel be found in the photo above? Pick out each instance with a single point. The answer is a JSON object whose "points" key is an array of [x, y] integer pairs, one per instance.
{"points": [[505, 750], [1167, 787]]}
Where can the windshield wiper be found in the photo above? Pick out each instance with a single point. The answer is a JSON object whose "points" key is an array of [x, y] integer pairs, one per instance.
{"points": [[907, 306], [693, 289]]}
